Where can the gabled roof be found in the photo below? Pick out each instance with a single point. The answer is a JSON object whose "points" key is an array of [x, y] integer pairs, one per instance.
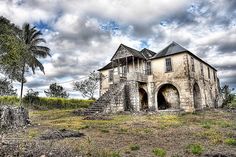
{"points": [[171, 49], [132, 51], [108, 66], [147, 53], [175, 48]]}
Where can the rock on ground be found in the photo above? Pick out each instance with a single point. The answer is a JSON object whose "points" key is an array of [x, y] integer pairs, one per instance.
{"points": [[60, 134], [13, 117]]}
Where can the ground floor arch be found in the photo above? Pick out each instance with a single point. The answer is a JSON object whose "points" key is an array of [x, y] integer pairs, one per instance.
{"points": [[168, 97], [143, 97], [197, 100]]}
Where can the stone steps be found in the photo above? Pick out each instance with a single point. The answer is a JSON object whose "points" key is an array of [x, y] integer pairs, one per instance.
{"points": [[104, 100]]}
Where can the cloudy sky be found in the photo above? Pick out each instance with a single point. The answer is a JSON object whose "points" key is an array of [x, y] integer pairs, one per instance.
{"points": [[84, 34]]}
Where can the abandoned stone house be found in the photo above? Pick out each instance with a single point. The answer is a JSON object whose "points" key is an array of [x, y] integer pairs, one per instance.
{"points": [[172, 80]]}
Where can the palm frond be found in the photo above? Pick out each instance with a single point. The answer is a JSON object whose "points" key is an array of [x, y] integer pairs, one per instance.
{"points": [[37, 41], [35, 35], [41, 51]]}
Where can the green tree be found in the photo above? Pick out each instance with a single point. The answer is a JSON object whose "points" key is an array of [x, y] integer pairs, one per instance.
{"points": [[11, 49], [31, 97], [88, 86], [56, 91], [31, 37], [20, 50], [227, 95], [6, 88]]}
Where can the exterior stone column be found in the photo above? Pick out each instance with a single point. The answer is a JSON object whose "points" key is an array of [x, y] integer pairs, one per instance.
{"points": [[151, 97]]}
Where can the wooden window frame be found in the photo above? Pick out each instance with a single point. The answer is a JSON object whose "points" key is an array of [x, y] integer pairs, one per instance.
{"points": [[168, 63]]}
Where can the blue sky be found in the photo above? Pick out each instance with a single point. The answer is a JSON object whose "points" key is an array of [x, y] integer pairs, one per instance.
{"points": [[84, 34]]}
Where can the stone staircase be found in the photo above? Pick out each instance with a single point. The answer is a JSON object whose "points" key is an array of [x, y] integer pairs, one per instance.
{"points": [[106, 100]]}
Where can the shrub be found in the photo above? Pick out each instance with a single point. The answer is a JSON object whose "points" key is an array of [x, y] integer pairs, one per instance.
{"points": [[230, 141], [134, 147], [159, 152], [9, 100], [47, 103], [195, 149]]}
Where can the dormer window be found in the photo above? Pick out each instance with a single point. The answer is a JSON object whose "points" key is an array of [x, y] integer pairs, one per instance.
{"points": [[168, 65]]}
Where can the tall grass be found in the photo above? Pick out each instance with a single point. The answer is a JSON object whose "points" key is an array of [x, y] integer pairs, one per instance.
{"points": [[47, 103]]}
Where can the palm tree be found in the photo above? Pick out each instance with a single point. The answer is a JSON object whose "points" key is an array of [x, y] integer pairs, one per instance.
{"points": [[32, 38]]}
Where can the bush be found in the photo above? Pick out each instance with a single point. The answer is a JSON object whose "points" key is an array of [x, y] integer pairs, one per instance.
{"points": [[9, 100], [230, 141], [134, 147], [159, 152], [47, 103], [195, 149]]}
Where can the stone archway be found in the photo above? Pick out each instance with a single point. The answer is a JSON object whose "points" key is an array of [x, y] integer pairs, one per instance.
{"points": [[197, 100], [143, 97], [168, 97]]}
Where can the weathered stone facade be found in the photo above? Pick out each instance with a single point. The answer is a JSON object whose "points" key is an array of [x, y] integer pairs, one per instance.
{"points": [[173, 79]]}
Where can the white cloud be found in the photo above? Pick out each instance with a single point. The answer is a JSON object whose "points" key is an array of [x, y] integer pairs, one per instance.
{"points": [[79, 45]]}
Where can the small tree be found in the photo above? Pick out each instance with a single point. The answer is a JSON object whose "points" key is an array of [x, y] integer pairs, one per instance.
{"points": [[227, 95], [56, 91], [88, 86], [6, 88], [31, 97]]}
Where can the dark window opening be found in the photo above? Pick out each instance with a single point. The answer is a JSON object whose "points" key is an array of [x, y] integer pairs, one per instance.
{"points": [[209, 76], [214, 76], [148, 70], [192, 63], [168, 65], [110, 77], [202, 73]]}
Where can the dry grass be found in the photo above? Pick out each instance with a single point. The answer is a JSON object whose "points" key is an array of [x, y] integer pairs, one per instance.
{"points": [[144, 133]]}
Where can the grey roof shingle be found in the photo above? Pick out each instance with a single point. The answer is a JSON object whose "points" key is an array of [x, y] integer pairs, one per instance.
{"points": [[147, 53], [171, 49], [136, 53]]}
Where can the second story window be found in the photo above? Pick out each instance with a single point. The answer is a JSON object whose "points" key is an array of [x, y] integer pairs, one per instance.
{"points": [[168, 65], [148, 69], [110, 77], [201, 65], [192, 64], [209, 76], [214, 73]]}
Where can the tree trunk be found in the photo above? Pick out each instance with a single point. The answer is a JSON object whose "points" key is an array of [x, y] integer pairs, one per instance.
{"points": [[22, 84]]}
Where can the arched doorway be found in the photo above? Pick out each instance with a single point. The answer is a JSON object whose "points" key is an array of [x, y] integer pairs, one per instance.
{"points": [[143, 99], [168, 97], [197, 96]]}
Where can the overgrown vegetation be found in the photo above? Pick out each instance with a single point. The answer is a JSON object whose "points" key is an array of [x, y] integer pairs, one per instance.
{"points": [[230, 141], [228, 96], [46, 103], [160, 152], [136, 135], [195, 149]]}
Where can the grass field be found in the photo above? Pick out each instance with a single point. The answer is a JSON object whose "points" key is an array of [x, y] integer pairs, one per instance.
{"points": [[197, 134]]}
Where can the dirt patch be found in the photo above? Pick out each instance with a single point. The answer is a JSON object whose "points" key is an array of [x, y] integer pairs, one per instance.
{"points": [[60, 134], [219, 155]]}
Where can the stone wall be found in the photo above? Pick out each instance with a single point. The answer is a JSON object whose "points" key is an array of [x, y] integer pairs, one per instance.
{"points": [[13, 117]]}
